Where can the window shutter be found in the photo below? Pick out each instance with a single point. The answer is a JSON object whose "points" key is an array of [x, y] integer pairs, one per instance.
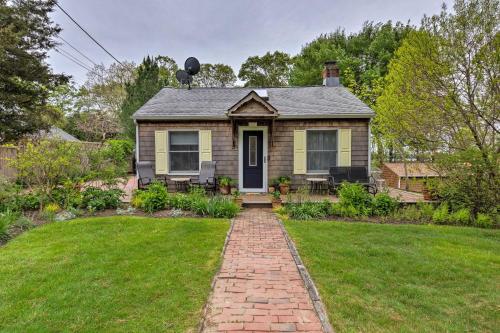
{"points": [[345, 147], [205, 145], [299, 152], [161, 158]]}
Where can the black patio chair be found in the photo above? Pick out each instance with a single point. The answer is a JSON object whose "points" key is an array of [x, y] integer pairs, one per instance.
{"points": [[352, 175], [146, 174], [207, 178]]}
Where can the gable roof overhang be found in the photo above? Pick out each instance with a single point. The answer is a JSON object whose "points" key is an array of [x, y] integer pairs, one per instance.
{"points": [[238, 111]]}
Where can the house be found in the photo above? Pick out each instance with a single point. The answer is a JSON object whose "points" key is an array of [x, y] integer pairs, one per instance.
{"points": [[255, 134], [417, 173], [55, 133]]}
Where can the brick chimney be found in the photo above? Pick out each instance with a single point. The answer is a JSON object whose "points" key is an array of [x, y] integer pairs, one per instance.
{"points": [[331, 74]]}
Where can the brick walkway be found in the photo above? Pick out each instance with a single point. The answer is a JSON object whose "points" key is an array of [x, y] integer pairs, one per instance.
{"points": [[259, 288]]}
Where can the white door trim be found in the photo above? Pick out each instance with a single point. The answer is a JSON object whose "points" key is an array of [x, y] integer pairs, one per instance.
{"points": [[264, 130]]}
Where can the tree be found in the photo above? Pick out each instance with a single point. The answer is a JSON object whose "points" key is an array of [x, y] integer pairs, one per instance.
{"points": [[149, 82], [442, 95], [362, 57], [218, 75], [270, 70], [26, 35]]}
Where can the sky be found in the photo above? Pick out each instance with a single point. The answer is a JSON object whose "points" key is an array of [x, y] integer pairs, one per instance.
{"points": [[215, 31]]}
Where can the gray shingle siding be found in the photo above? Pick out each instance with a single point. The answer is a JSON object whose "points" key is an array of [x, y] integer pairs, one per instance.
{"points": [[291, 103]]}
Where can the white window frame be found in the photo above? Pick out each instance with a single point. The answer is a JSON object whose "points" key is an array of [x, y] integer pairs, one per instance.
{"points": [[327, 172], [256, 155], [186, 173]]}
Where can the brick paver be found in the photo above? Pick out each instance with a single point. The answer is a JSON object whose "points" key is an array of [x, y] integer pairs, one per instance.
{"points": [[259, 288]]}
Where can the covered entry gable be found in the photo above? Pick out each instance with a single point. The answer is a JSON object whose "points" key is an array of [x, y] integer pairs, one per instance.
{"points": [[252, 106]]}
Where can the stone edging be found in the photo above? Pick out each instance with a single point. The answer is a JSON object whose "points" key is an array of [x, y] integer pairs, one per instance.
{"points": [[212, 286], [319, 307]]}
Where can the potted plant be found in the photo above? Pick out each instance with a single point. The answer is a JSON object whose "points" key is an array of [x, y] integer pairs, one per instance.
{"points": [[284, 184], [237, 198], [276, 199], [273, 185], [225, 184]]}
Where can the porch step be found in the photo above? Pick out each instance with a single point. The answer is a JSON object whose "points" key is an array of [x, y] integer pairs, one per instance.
{"points": [[257, 205], [257, 201]]}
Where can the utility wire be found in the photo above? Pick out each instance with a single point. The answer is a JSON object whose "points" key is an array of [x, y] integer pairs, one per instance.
{"points": [[88, 34], [74, 48], [73, 60], [69, 54]]}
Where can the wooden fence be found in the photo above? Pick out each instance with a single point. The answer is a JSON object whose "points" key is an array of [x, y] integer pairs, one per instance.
{"points": [[6, 154]]}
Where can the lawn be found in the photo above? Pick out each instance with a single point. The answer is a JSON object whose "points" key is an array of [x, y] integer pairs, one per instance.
{"points": [[403, 278], [113, 274]]}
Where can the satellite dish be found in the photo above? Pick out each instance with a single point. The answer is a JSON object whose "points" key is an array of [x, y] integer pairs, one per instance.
{"points": [[183, 77], [192, 66]]}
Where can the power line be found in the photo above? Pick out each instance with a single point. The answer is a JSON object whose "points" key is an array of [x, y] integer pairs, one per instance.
{"points": [[88, 34], [74, 48], [73, 60], [69, 54]]}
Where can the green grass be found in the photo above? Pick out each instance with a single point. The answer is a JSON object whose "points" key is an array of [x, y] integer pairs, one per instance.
{"points": [[113, 274], [403, 278]]}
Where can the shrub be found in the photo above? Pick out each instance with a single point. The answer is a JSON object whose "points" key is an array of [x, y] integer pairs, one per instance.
{"points": [[308, 210], [7, 218], [344, 211], [30, 201], [441, 214], [484, 221], [356, 196], [67, 195], [426, 211], [50, 210], [9, 194], [225, 181], [95, 199], [200, 207], [384, 204], [222, 207], [461, 217], [152, 199]]}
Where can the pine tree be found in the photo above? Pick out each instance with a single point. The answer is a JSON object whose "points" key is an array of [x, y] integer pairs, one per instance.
{"points": [[148, 83], [26, 80]]}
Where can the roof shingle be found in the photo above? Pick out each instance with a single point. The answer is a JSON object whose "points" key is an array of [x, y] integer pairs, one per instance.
{"points": [[291, 102]]}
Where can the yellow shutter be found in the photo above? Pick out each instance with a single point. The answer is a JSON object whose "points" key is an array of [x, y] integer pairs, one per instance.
{"points": [[205, 145], [345, 147], [161, 160], [299, 152]]}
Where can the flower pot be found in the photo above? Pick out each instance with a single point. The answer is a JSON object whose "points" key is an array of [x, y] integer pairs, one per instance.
{"points": [[276, 203], [238, 201], [225, 189], [284, 189], [271, 189]]}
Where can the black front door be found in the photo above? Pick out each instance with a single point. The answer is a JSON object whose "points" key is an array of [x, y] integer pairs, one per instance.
{"points": [[253, 154]]}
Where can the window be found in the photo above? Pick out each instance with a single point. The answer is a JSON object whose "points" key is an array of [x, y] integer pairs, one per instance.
{"points": [[321, 150], [183, 151], [252, 150]]}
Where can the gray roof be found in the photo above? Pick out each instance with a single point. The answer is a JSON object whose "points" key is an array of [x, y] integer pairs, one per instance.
{"points": [[57, 134], [291, 103]]}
